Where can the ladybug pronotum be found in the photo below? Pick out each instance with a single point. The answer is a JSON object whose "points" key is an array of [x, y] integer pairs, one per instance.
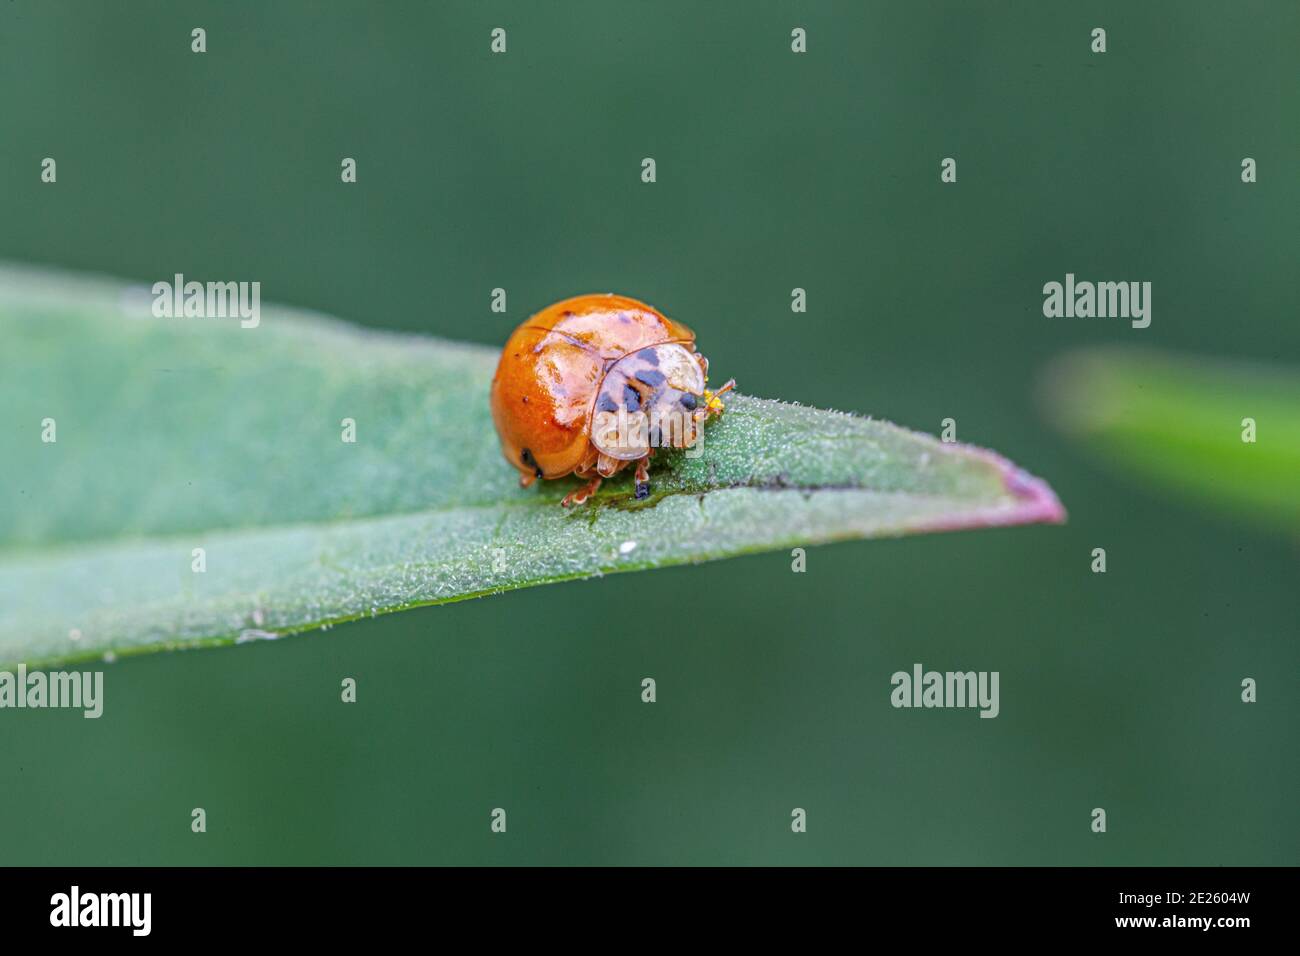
{"points": [[594, 383]]}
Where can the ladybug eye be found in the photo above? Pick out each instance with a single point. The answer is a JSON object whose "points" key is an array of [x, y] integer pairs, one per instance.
{"points": [[688, 400]]}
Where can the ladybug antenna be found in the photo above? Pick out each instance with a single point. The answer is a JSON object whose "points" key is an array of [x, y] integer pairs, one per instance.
{"points": [[712, 403]]}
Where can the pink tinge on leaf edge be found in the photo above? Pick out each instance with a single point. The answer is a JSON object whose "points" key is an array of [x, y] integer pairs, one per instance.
{"points": [[1035, 502]]}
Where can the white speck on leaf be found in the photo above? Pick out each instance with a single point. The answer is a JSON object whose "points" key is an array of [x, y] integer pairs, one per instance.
{"points": [[254, 635]]}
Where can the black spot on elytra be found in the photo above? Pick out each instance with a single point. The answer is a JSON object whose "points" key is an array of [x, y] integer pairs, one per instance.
{"points": [[631, 398], [526, 456], [624, 318], [650, 357], [606, 403], [651, 377]]}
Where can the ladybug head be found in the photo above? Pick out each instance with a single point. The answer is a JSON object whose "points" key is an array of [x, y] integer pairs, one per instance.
{"points": [[654, 397]]}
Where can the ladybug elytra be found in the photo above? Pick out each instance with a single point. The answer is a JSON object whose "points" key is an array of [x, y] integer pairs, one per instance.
{"points": [[594, 383]]}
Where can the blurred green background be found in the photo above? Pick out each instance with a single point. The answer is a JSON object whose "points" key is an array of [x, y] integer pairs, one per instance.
{"points": [[775, 170]]}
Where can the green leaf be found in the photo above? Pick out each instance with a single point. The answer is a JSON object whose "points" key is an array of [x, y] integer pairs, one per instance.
{"points": [[177, 434], [1178, 423]]}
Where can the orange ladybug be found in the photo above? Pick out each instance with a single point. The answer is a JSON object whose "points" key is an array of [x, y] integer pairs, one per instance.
{"points": [[591, 384]]}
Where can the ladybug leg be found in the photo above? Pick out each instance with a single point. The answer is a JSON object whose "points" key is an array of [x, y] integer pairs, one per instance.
{"points": [[643, 477], [582, 494], [606, 466], [526, 480]]}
